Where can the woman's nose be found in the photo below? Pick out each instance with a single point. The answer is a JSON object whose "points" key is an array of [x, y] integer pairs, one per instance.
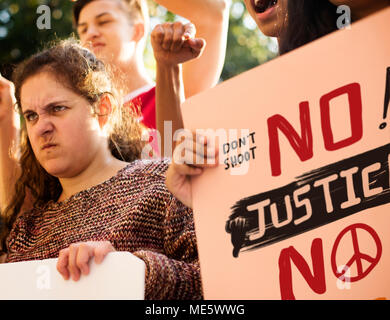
{"points": [[44, 126]]}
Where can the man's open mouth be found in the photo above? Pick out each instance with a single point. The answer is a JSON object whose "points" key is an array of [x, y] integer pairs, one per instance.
{"points": [[263, 5]]}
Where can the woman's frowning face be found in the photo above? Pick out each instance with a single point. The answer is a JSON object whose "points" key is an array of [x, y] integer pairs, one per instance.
{"points": [[269, 15], [63, 132]]}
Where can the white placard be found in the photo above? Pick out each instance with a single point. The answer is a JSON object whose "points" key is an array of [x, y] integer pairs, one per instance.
{"points": [[120, 276]]}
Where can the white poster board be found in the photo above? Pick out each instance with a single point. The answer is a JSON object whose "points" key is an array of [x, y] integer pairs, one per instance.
{"points": [[121, 276]]}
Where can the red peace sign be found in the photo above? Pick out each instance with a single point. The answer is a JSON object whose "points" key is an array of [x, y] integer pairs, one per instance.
{"points": [[357, 256]]}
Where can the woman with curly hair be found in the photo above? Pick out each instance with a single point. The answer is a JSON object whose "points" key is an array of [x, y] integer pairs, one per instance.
{"points": [[90, 195]]}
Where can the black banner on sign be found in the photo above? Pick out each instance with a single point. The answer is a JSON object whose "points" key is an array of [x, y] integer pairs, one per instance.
{"points": [[315, 199]]}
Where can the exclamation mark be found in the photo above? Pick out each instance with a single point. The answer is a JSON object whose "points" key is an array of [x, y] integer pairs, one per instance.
{"points": [[387, 99]]}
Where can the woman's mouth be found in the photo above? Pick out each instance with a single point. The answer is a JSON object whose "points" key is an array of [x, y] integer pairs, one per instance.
{"points": [[261, 6], [48, 146]]}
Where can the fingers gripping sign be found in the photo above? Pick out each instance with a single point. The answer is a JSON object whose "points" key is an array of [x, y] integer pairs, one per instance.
{"points": [[190, 158], [74, 260], [175, 43]]}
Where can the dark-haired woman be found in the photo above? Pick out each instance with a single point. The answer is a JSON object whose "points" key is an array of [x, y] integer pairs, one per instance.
{"points": [[116, 31], [89, 195]]}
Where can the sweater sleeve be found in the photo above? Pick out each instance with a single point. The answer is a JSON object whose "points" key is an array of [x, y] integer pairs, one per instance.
{"points": [[174, 274]]}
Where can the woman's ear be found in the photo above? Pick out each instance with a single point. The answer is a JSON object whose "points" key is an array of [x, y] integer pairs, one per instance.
{"points": [[104, 110], [138, 31]]}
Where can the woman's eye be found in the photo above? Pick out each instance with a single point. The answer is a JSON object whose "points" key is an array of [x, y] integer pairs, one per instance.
{"points": [[58, 108], [31, 117]]}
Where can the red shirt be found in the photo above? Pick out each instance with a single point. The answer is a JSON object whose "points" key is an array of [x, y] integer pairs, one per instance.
{"points": [[144, 100]]}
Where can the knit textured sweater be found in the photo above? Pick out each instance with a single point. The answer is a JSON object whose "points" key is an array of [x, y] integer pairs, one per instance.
{"points": [[136, 213]]}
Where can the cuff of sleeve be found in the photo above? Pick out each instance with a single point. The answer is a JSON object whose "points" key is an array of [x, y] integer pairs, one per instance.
{"points": [[167, 279]]}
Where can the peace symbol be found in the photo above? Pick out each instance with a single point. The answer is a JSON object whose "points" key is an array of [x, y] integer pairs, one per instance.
{"points": [[358, 256]]}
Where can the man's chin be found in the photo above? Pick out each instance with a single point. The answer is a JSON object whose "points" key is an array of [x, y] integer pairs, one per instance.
{"points": [[98, 51], [102, 54]]}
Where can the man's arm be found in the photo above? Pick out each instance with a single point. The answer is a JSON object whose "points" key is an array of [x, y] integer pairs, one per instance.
{"points": [[173, 44], [211, 19]]}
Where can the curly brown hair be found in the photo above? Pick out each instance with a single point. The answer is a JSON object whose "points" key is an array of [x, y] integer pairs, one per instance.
{"points": [[79, 70]]}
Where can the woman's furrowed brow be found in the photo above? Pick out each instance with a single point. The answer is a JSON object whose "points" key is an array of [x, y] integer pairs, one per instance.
{"points": [[47, 106]]}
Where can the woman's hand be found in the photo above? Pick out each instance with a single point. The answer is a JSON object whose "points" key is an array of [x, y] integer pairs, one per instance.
{"points": [[74, 261], [175, 43], [190, 158], [7, 99]]}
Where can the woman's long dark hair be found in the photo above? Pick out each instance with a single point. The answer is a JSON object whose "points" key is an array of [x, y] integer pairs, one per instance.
{"points": [[82, 72], [307, 20]]}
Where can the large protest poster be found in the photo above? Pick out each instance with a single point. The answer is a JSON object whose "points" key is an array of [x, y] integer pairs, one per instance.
{"points": [[299, 206]]}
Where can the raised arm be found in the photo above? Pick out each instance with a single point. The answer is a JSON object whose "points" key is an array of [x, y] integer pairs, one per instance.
{"points": [[211, 19], [173, 44], [9, 169]]}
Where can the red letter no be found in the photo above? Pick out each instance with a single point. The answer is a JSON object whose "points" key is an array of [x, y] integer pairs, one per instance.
{"points": [[302, 145], [315, 281], [355, 111]]}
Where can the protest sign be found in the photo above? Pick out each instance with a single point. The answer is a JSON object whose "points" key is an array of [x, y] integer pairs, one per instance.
{"points": [[299, 206]]}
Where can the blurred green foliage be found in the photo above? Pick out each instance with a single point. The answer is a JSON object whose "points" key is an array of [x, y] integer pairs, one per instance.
{"points": [[247, 47], [20, 37], [19, 34]]}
